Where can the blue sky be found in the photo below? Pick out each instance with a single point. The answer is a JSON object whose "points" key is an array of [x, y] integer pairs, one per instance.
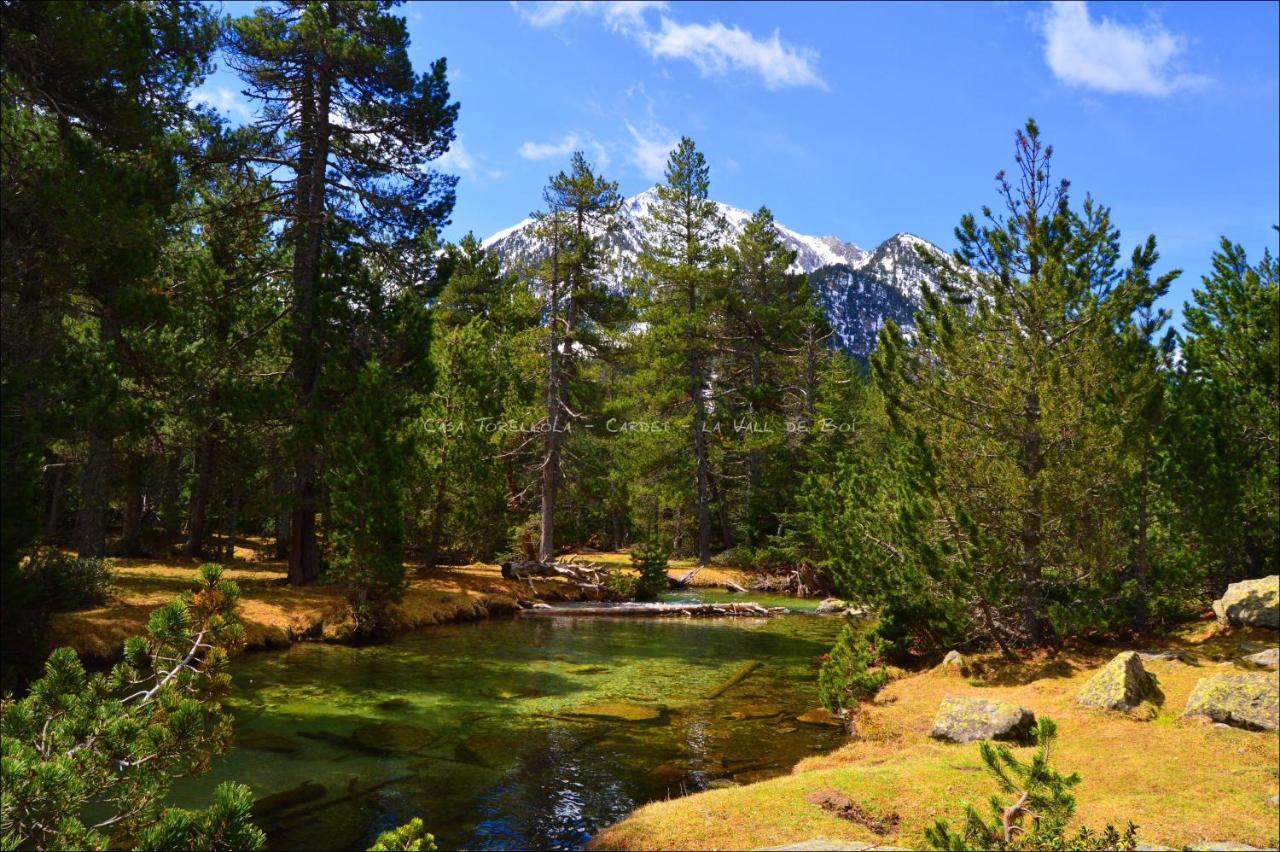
{"points": [[862, 120]]}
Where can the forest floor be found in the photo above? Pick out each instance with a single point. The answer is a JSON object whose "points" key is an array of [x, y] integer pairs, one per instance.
{"points": [[275, 614], [1181, 782]]}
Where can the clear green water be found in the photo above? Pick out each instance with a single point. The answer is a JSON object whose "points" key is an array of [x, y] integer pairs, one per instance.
{"points": [[471, 726]]}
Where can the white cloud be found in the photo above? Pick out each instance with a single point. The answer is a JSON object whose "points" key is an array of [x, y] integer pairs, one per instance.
{"points": [[458, 160], [1113, 57], [651, 149], [224, 100], [566, 146], [618, 15], [714, 48]]}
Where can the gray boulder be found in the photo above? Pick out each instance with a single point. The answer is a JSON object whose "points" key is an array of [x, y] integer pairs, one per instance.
{"points": [[1250, 701], [831, 606], [964, 720], [953, 659], [1268, 659], [1121, 684], [1250, 603]]}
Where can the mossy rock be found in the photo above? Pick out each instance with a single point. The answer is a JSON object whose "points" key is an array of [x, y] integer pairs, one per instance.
{"points": [[395, 704], [266, 741], [1250, 603], [393, 736], [619, 711], [966, 720], [820, 716], [1121, 684], [757, 711], [1249, 701]]}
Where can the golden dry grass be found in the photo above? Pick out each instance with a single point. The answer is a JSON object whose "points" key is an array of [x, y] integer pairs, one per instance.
{"points": [[274, 614], [709, 577], [1181, 782]]}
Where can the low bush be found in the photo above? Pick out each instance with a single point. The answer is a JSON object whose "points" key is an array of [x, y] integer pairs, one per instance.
{"points": [[846, 676], [650, 561]]}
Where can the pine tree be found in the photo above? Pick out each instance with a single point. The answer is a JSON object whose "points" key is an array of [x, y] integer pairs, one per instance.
{"points": [[93, 95], [682, 272], [88, 759], [766, 345], [1004, 386], [351, 129], [582, 315], [1038, 815], [1225, 423], [487, 324]]}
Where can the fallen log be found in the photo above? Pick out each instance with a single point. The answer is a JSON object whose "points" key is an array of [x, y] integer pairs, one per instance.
{"points": [[307, 791], [743, 672], [687, 610], [354, 792]]}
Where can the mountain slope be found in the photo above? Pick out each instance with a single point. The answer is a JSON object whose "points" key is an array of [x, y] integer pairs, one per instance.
{"points": [[859, 289]]}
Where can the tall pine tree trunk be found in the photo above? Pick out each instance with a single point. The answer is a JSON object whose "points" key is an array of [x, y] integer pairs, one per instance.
{"points": [[172, 511], [703, 473], [95, 492], [304, 548], [281, 483], [57, 490], [551, 438], [131, 532], [699, 437], [201, 492], [1031, 596]]}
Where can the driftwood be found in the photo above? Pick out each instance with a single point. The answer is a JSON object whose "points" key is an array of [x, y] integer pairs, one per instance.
{"points": [[689, 610], [736, 678], [684, 580], [803, 582]]}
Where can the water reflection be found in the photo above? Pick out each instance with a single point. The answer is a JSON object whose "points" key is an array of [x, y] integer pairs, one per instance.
{"points": [[517, 734]]}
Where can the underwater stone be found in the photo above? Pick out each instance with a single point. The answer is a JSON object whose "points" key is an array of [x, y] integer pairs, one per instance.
{"points": [[393, 736], [266, 741], [619, 711]]}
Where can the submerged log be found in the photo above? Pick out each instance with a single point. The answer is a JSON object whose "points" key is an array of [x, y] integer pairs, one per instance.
{"points": [[307, 791], [685, 610], [743, 672]]}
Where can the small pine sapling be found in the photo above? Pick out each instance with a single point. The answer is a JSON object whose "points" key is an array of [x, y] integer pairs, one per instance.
{"points": [[1038, 815]]}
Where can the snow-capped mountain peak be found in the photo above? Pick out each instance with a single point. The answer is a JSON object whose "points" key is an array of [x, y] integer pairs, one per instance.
{"points": [[859, 289]]}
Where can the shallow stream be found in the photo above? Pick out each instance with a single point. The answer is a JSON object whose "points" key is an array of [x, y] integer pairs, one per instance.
{"points": [[522, 733]]}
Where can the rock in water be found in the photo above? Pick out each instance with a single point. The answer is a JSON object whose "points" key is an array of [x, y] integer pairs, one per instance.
{"points": [[1250, 701], [393, 736], [618, 711], [1121, 684], [964, 720], [820, 716], [266, 741], [1250, 603], [1268, 659], [831, 605]]}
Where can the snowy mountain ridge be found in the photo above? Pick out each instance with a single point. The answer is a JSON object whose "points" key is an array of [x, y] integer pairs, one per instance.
{"points": [[859, 289]]}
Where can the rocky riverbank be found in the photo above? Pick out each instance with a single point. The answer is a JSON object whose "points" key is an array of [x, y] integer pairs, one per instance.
{"points": [[1183, 775]]}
